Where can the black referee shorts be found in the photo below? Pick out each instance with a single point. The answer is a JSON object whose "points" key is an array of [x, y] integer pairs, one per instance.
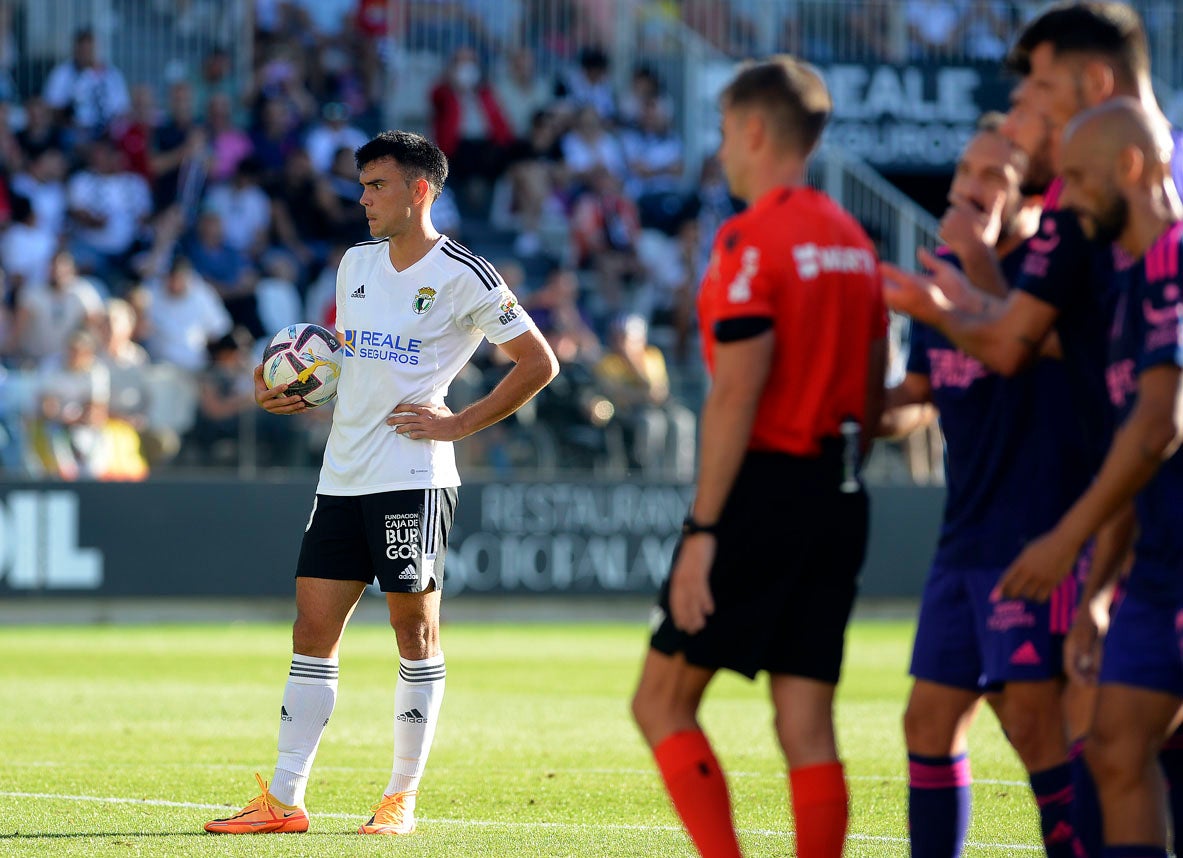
{"points": [[790, 547], [399, 537]]}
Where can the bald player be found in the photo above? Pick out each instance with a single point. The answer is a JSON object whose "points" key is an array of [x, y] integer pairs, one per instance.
{"points": [[1117, 182]]}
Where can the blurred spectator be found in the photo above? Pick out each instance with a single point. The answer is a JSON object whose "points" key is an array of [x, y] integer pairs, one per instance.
{"points": [[713, 204], [12, 157], [674, 267], [282, 79], [332, 134], [654, 153], [47, 314], [659, 432], [40, 133], [643, 88], [180, 152], [278, 299], [347, 216], [243, 208], [87, 93], [522, 91], [987, 28], [184, 317], [128, 364], [229, 144], [227, 413], [605, 227], [934, 26], [226, 269], [527, 200], [320, 301], [589, 84], [9, 54], [75, 437], [135, 132], [872, 32], [276, 137], [25, 249], [215, 79], [302, 210], [108, 205], [589, 146], [555, 310], [468, 124], [43, 183]]}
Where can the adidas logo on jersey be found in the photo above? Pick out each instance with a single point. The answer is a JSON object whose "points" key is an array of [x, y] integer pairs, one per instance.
{"points": [[413, 716], [359, 292], [408, 574]]}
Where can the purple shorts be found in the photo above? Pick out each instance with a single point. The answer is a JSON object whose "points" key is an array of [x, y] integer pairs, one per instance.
{"points": [[966, 641], [1144, 647]]}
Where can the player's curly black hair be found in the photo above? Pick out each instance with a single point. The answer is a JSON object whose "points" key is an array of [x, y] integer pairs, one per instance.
{"points": [[414, 153]]}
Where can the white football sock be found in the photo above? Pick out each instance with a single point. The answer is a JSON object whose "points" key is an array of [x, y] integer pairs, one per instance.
{"points": [[418, 695], [308, 700]]}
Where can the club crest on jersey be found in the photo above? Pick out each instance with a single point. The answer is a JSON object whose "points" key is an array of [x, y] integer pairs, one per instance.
{"points": [[423, 300]]}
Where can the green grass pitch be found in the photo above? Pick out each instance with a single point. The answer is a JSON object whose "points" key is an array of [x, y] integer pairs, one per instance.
{"points": [[124, 740]]}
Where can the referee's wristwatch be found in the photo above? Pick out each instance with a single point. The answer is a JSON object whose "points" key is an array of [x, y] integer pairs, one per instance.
{"points": [[690, 526]]}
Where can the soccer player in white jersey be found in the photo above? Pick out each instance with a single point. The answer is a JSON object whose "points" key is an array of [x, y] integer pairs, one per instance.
{"points": [[412, 306]]}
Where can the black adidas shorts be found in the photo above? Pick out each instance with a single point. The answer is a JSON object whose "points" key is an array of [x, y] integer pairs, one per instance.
{"points": [[400, 538], [790, 546]]}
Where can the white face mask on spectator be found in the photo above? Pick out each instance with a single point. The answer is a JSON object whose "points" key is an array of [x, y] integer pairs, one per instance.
{"points": [[467, 75]]}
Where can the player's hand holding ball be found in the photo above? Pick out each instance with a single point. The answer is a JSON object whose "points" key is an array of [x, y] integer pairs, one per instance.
{"points": [[275, 399]]}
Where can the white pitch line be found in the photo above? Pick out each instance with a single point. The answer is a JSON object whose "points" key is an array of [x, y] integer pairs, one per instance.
{"points": [[562, 771], [489, 823]]}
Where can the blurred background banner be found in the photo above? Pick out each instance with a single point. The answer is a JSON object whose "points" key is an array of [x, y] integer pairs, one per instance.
{"points": [[241, 538]]}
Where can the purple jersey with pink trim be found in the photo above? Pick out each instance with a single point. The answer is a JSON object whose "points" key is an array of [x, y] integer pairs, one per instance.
{"points": [[1016, 459], [1147, 332]]}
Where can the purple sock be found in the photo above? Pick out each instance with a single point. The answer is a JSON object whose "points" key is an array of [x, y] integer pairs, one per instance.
{"points": [[1134, 852], [1053, 794], [1086, 806], [938, 804]]}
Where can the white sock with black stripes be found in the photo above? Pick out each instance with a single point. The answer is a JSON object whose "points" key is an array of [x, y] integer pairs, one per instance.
{"points": [[308, 700], [418, 695]]}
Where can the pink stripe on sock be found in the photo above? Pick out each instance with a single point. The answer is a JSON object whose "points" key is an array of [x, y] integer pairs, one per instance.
{"points": [[1173, 250], [1064, 796], [925, 776], [1076, 749]]}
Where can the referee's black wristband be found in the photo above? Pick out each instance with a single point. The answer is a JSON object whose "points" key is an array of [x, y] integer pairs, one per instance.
{"points": [[691, 527]]}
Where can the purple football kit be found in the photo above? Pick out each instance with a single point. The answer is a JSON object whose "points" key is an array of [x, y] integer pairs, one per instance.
{"points": [[1144, 647], [1017, 456]]}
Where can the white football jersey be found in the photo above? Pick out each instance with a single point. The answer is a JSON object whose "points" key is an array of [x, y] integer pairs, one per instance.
{"points": [[405, 336]]}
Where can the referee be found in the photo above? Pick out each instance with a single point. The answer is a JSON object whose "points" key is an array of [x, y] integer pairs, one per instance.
{"points": [[793, 329]]}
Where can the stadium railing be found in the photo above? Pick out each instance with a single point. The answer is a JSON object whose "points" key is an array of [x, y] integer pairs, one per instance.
{"points": [[152, 42]]}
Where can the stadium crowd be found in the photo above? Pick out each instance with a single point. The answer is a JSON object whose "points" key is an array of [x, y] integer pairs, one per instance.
{"points": [[153, 236]]}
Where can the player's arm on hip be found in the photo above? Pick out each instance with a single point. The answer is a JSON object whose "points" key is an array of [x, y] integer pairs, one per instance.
{"points": [[741, 371], [534, 365]]}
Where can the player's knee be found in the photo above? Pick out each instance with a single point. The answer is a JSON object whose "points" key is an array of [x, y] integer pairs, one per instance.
{"points": [[926, 730], [1031, 731], [805, 739], [417, 639], [1116, 758], [314, 636]]}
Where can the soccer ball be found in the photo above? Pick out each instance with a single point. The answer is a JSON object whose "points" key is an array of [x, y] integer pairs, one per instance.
{"points": [[308, 359]]}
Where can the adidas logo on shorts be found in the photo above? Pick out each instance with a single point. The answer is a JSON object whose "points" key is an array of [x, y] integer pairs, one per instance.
{"points": [[409, 574]]}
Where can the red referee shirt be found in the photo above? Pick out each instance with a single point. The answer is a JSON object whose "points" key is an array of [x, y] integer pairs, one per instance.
{"points": [[797, 258]]}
